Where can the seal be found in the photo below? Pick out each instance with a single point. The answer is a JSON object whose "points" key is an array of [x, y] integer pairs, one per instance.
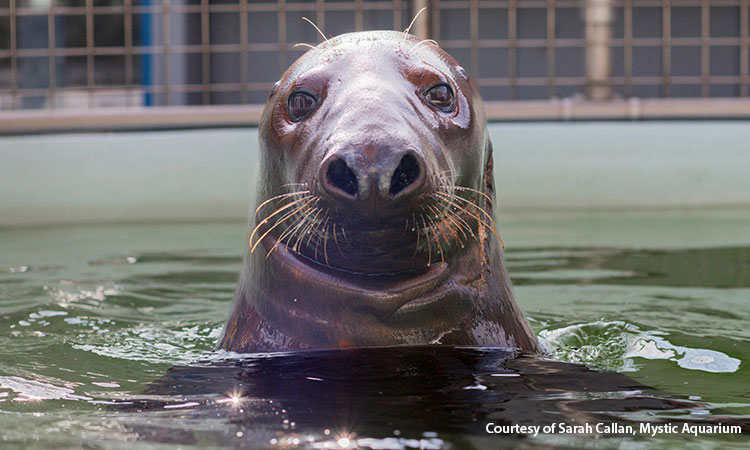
{"points": [[374, 223]]}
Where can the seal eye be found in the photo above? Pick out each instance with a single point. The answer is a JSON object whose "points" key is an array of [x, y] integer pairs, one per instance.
{"points": [[441, 97], [300, 105]]}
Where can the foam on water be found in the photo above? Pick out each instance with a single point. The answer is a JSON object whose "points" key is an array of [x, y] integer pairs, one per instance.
{"points": [[615, 345]]}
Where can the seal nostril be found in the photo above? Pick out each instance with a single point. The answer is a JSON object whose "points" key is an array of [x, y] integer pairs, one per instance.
{"points": [[406, 174], [340, 176]]}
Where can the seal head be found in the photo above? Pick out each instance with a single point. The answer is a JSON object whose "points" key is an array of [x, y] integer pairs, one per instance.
{"points": [[374, 222]]}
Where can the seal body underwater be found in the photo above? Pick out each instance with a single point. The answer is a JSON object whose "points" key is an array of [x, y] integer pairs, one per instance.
{"points": [[374, 223]]}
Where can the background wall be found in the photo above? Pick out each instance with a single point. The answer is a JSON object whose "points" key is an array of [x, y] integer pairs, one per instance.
{"points": [[164, 176]]}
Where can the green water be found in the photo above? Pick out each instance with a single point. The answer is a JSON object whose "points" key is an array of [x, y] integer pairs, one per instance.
{"points": [[91, 314]]}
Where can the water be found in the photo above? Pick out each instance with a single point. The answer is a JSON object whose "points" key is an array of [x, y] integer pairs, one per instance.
{"points": [[107, 335]]}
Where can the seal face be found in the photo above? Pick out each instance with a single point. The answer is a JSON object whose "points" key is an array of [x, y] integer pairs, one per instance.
{"points": [[374, 223]]}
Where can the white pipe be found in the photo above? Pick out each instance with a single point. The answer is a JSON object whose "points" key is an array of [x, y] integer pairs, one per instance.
{"points": [[599, 20]]}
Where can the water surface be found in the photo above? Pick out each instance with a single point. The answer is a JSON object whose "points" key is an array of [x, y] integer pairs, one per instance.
{"points": [[96, 320]]}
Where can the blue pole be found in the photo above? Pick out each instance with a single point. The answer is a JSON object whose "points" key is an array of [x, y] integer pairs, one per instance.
{"points": [[146, 58]]}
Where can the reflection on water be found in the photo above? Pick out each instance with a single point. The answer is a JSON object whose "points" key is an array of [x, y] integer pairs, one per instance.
{"points": [[448, 393], [103, 343], [712, 267]]}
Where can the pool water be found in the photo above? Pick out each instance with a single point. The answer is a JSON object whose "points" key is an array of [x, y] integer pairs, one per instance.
{"points": [[107, 336]]}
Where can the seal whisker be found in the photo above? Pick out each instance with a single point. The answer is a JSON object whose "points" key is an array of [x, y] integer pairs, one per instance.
{"points": [[437, 240], [279, 197], [303, 44], [323, 235], [336, 239], [282, 220], [460, 208], [440, 227], [315, 231], [463, 226], [292, 184], [282, 208], [426, 41], [325, 247], [343, 233], [431, 226], [479, 209], [289, 232], [445, 181], [441, 175], [297, 228], [427, 237], [317, 242], [480, 218], [463, 188], [316, 27], [278, 211], [441, 215], [280, 201], [308, 229], [312, 228], [406, 31], [418, 230], [449, 216]]}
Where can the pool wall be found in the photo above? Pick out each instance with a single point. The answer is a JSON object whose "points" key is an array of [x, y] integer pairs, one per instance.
{"points": [[208, 175]]}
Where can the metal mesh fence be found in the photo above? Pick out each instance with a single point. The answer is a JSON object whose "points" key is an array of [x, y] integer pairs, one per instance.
{"points": [[95, 53]]}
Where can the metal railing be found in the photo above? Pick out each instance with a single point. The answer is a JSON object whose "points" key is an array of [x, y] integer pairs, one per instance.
{"points": [[59, 54], [142, 60], [642, 42]]}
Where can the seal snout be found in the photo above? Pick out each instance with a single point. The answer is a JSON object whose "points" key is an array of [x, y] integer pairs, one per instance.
{"points": [[381, 179]]}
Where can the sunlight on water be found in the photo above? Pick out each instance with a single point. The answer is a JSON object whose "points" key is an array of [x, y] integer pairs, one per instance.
{"points": [[32, 390], [156, 345]]}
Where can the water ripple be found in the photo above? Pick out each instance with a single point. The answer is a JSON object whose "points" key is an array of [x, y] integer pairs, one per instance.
{"points": [[614, 345]]}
